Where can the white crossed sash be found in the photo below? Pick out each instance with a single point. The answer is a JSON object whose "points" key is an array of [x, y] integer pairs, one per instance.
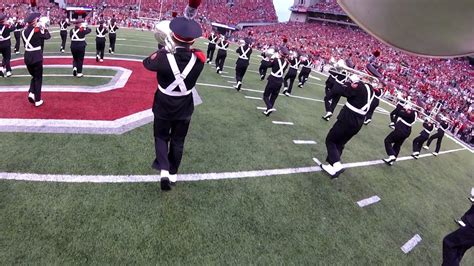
{"points": [[28, 46], [213, 39], [222, 46], [281, 70], [76, 38], [244, 53], [1, 35], [100, 33], [112, 28], [63, 27], [296, 65], [366, 107]]}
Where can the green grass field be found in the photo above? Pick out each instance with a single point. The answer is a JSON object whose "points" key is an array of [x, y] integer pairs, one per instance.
{"points": [[287, 219]]}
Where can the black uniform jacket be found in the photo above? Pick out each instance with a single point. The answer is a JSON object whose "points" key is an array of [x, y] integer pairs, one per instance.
{"points": [[242, 62], [174, 107], [6, 32], [81, 34], [357, 97], [36, 41]]}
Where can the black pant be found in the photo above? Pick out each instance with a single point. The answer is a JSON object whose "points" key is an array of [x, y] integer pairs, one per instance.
{"points": [[112, 38], [340, 134], [264, 65], [78, 58], [439, 137], [169, 143], [36, 71], [240, 70], [220, 59], [210, 52], [271, 91], [100, 47], [372, 108], [303, 76], [17, 40], [418, 141], [456, 244], [394, 140], [63, 34], [7, 55], [291, 76]]}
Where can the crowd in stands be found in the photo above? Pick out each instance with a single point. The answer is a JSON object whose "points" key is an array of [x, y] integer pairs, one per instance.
{"points": [[428, 81], [329, 6]]}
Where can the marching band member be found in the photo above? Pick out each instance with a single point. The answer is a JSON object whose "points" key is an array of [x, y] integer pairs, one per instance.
{"points": [[305, 71], [63, 24], [19, 25], [33, 36], [442, 127], [112, 28], [5, 46], [393, 115], [211, 47], [178, 69], [375, 103], [291, 74], [349, 121], [334, 79], [100, 32], [244, 51], [266, 61], [275, 80], [78, 46], [406, 118], [222, 46], [458, 242], [424, 135]]}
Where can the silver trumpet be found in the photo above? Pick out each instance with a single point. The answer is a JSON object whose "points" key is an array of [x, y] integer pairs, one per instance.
{"points": [[163, 35], [43, 23]]}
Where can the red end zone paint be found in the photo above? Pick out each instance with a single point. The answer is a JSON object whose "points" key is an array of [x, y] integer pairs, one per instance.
{"points": [[136, 96]]}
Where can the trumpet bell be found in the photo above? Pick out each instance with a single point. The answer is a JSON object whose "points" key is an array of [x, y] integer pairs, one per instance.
{"points": [[163, 35], [43, 22]]}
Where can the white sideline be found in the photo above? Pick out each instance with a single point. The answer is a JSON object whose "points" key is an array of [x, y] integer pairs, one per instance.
{"points": [[253, 98], [184, 177], [61, 75]]}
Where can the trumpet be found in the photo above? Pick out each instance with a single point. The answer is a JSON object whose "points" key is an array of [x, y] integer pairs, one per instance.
{"points": [[43, 23], [163, 35], [341, 68]]}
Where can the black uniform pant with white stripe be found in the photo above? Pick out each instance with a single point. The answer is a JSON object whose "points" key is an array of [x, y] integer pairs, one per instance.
{"points": [[220, 59], [210, 52], [63, 34], [373, 106], [456, 244], [303, 76], [346, 127], [17, 40], [418, 141], [291, 76], [169, 143], [394, 140], [240, 70], [439, 138], [36, 71], [264, 65], [271, 91], [78, 58], [112, 39], [6, 52], [100, 47]]}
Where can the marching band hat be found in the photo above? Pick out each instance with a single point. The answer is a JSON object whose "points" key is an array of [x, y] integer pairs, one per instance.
{"points": [[354, 78], [32, 16], [283, 50], [185, 30], [3, 17]]}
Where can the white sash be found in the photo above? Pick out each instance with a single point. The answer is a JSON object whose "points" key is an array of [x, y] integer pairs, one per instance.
{"points": [[28, 46], [366, 107], [213, 39], [112, 28], [1, 35], [281, 70], [296, 65], [63, 28], [405, 122], [100, 34], [244, 53], [222, 47], [308, 65], [76, 38], [179, 77]]}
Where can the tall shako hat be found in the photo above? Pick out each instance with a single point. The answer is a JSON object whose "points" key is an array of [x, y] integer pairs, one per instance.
{"points": [[185, 29], [32, 16]]}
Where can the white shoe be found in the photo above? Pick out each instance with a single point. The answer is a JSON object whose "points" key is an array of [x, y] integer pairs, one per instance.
{"points": [[173, 178], [39, 103], [62, 51], [31, 97], [327, 116], [8, 74], [80, 75], [165, 180], [272, 110], [112, 52], [471, 199], [416, 153], [434, 153], [101, 60], [366, 122], [390, 160], [426, 147], [74, 71], [328, 169], [17, 52], [391, 125], [460, 223]]}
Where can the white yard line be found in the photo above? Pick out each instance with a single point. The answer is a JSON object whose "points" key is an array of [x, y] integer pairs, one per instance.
{"points": [[261, 108], [252, 98], [282, 123], [304, 142], [229, 77], [184, 177], [61, 75], [411, 244]]}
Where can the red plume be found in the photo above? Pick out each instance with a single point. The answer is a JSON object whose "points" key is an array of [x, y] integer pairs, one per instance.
{"points": [[174, 14], [376, 53], [194, 3], [285, 40], [33, 3]]}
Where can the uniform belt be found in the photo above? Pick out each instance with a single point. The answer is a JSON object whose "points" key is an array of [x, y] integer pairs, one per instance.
{"points": [[354, 109], [4, 39], [33, 49], [63, 29], [18, 30], [78, 40], [176, 93], [100, 36], [405, 122], [294, 67], [427, 131], [276, 76]]}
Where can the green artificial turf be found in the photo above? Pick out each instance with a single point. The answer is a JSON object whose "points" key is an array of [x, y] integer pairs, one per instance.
{"points": [[290, 219]]}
